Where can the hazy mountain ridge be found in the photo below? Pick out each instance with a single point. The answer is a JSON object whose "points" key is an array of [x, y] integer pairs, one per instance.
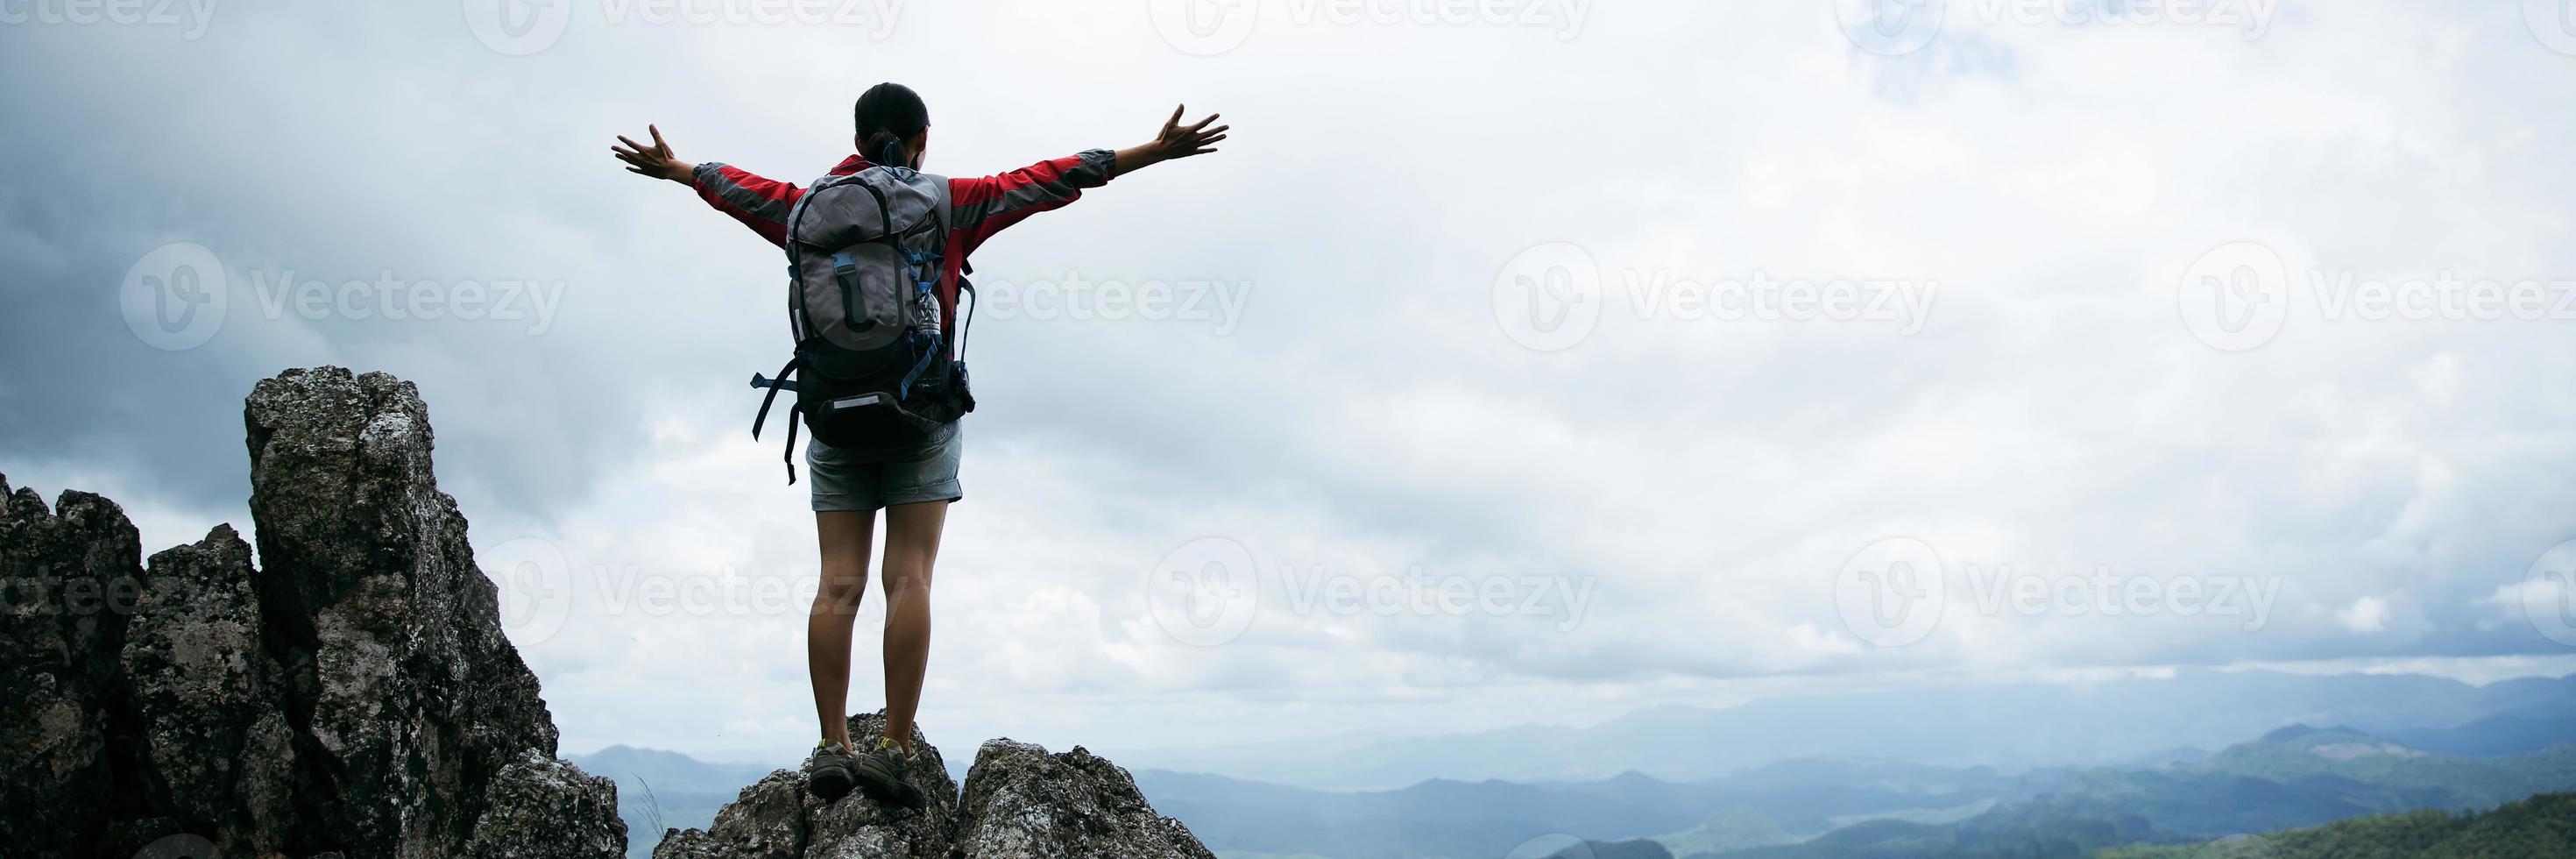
{"points": [[2293, 774], [1447, 817], [2102, 724], [2293, 777], [659, 789]]}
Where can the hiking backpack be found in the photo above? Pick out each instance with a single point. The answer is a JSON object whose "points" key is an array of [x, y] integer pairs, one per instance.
{"points": [[865, 253]]}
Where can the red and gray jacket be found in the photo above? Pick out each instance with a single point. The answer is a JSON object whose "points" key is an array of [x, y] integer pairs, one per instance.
{"points": [[978, 207]]}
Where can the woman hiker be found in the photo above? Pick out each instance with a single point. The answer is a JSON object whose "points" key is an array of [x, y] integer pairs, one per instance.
{"points": [[914, 484]]}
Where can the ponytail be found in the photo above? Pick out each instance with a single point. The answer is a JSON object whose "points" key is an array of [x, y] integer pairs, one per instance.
{"points": [[885, 149]]}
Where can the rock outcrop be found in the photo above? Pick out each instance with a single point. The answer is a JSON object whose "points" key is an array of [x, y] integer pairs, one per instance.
{"points": [[1019, 803], [352, 694], [1023, 803]]}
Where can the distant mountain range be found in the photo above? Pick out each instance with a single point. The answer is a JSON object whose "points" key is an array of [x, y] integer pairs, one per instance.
{"points": [[1444, 818], [2011, 728], [658, 789], [2293, 777], [1884, 774]]}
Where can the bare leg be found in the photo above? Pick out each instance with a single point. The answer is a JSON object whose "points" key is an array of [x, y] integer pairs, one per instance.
{"points": [[844, 537], [912, 546]]}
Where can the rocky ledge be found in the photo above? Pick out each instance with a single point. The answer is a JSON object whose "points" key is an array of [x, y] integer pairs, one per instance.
{"points": [[350, 695], [1019, 803]]}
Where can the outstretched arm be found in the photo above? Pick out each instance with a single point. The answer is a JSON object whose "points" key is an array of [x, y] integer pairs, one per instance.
{"points": [[1174, 141], [758, 202], [986, 205]]}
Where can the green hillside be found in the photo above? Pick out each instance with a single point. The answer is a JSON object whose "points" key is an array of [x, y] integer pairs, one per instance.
{"points": [[1731, 829], [2542, 826], [2294, 777]]}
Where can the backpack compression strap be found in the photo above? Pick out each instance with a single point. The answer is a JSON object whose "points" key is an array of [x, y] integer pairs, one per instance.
{"points": [[774, 384], [790, 456], [854, 300]]}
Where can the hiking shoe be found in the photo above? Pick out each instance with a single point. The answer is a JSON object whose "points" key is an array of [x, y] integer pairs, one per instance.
{"points": [[881, 772], [833, 772]]}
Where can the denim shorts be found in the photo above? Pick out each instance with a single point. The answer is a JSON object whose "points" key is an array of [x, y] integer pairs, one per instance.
{"points": [[849, 481]]}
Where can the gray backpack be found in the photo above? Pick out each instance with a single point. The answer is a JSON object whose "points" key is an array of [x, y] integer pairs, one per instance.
{"points": [[864, 256]]}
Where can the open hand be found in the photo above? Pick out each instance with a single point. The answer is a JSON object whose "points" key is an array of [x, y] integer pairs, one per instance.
{"points": [[1179, 141], [655, 160]]}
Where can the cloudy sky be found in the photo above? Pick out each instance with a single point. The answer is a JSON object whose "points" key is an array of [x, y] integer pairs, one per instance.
{"points": [[1526, 361]]}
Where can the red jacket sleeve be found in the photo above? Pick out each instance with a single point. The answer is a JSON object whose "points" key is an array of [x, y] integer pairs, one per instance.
{"points": [[758, 202], [983, 206]]}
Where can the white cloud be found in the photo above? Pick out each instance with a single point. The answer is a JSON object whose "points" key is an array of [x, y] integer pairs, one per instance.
{"points": [[2365, 616]]}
